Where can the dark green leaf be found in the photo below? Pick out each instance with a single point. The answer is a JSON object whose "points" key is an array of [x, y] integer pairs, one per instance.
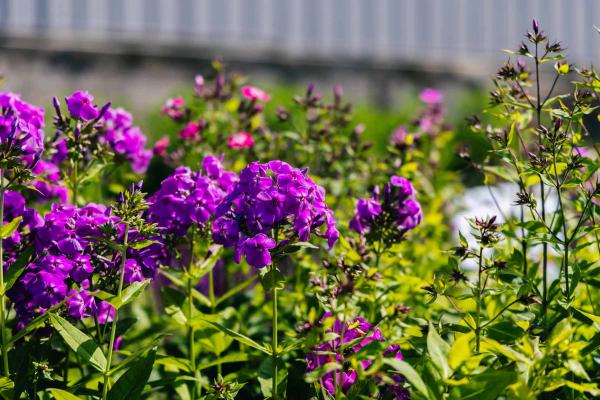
{"points": [[273, 280], [131, 384], [16, 269], [504, 331], [486, 386], [265, 378]]}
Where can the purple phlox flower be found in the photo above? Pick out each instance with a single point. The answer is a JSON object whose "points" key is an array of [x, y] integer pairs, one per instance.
{"points": [[125, 139], [21, 126], [80, 105], [273, 195], [398, 207], [256, 250], [188, 197]]}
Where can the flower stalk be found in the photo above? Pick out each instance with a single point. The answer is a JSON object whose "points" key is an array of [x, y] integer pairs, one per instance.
{"points": [[5, 367], [113, 329]]}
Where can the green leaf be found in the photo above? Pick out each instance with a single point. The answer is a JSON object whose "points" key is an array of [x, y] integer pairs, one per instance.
{"points": [[487, 385], [35, 323], [239, 337], [16, 269], [265, 378], [198, 270], [505, 331], [8, 229], [592, 317], [438, 350], [460, 351], [81, 343], [410, 374], [131, 384], [6, 388], [272, 280], [141, 244], [129, 294], [59, 394]]}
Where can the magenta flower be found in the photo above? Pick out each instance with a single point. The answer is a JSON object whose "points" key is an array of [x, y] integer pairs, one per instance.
{"points": [[192, 130], [253, 93], [240, 140], [431, 96], [161, 146], [174, 108], [80, 105]]}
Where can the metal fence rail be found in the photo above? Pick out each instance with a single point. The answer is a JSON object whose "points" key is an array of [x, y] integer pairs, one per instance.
{"points": [[424, 30]]}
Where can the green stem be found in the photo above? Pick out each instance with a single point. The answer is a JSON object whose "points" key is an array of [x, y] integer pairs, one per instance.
{"points": [[113, 329], [5, 368], [478, 314], [213, 305], [543, 198], [190, 295], [74, 178], [274, 343]]}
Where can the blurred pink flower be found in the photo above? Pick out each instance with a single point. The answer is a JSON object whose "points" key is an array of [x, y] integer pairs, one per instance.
{"points": [[198, 84], [431, 96], [161, 145], [240, 140], [254, 93], [174, 108], [192, 130], [398, 136]]}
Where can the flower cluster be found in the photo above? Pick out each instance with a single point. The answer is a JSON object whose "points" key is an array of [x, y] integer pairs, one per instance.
{"points": [[388, 218], [125, 139], [356, 333], [21, 133], [188, 197], [272, 197], [71, 259]]}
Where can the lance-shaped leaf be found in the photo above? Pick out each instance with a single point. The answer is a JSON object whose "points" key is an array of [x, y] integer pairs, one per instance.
{"points": [[438, 350], [239, 337], [8, 229], [16, 269], [198, 270], [131, 384], [129, 294], [410, 374], [81, 343], [59, 394]]}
